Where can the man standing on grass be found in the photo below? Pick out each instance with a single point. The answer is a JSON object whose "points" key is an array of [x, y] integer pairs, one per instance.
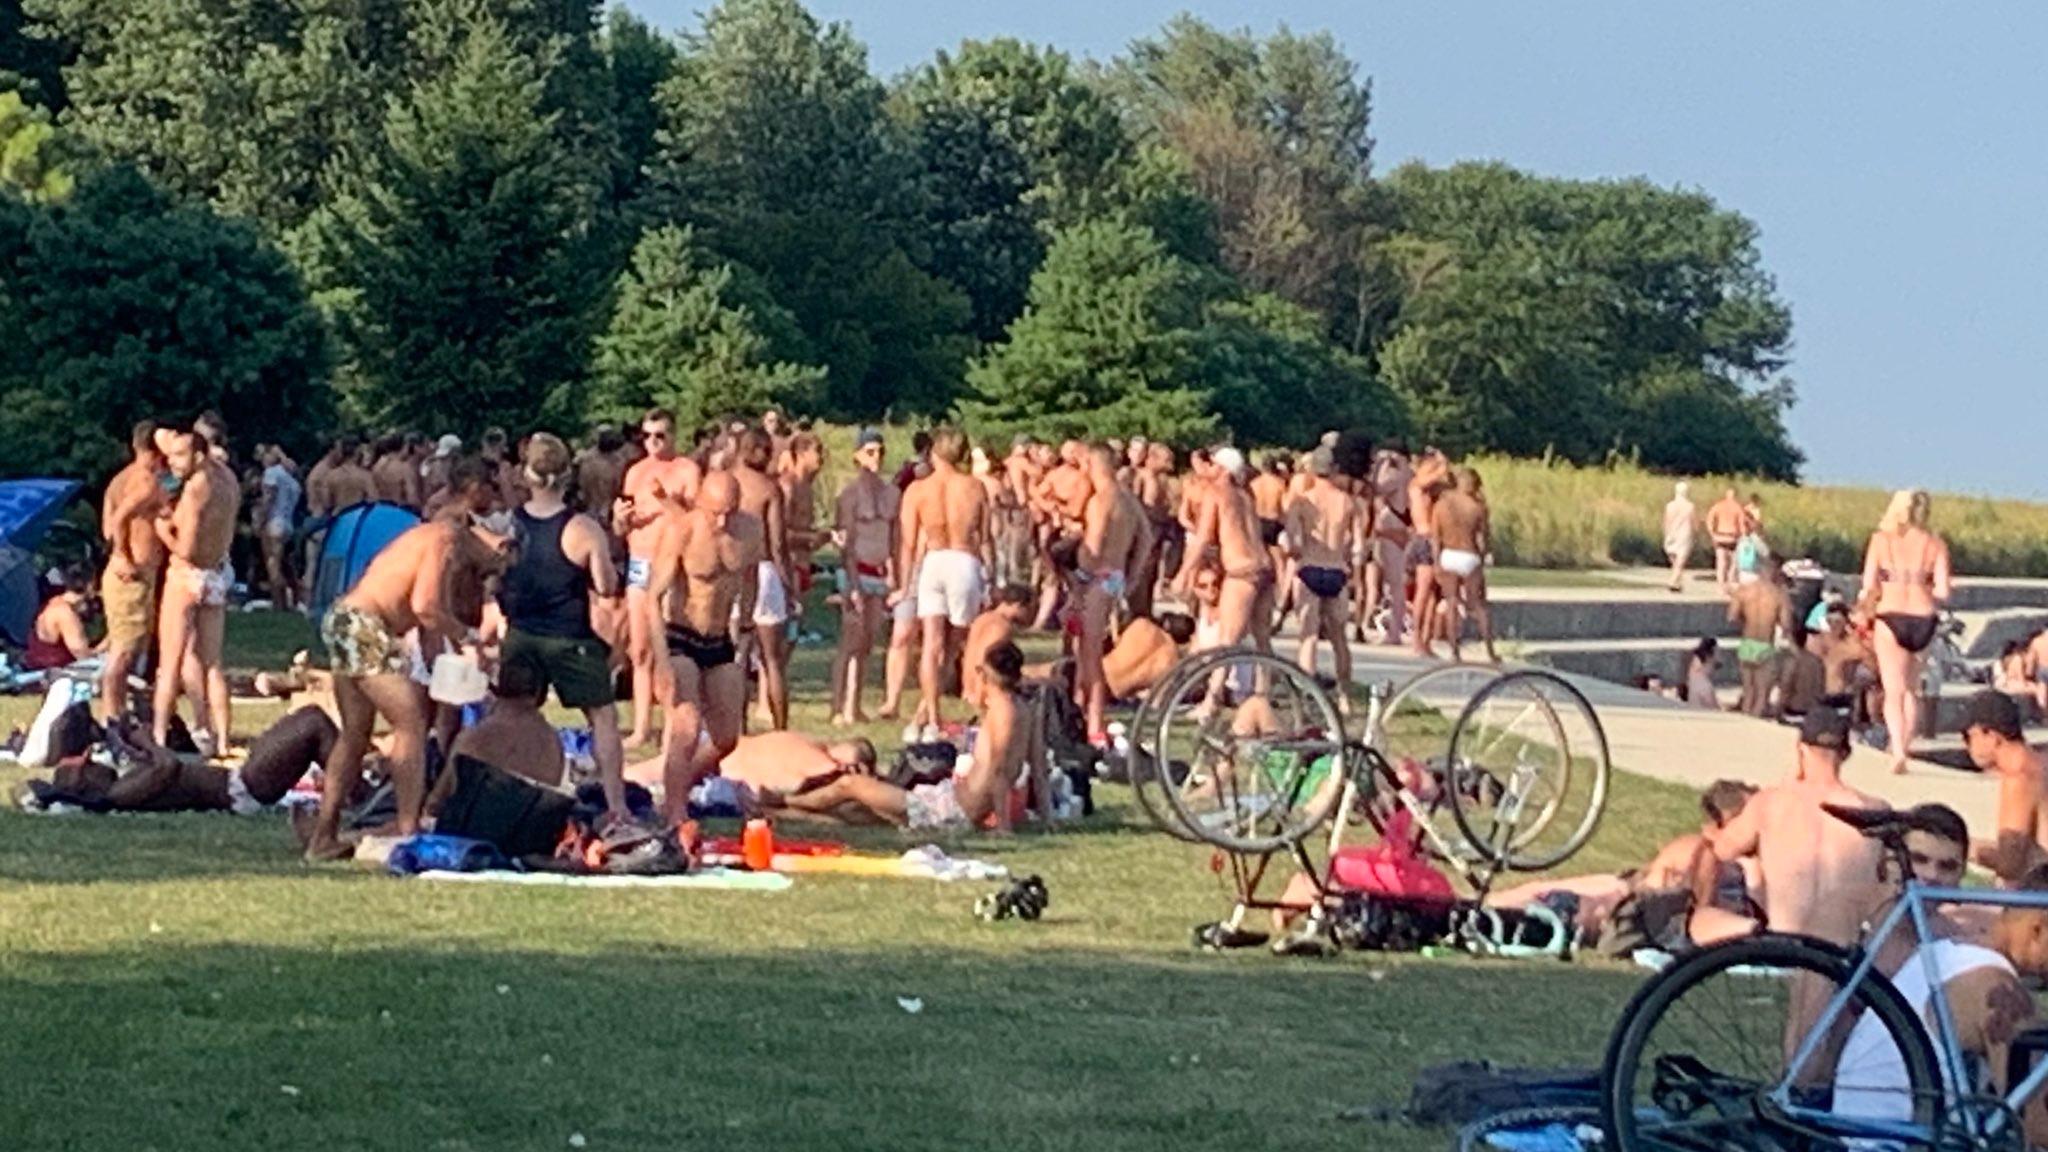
{"points": [[864, 521], [942, 536], [135, 559], [660, 484], [192, 621], [1230, 524], [1114, 540], [761, 497], [1679, 519]]}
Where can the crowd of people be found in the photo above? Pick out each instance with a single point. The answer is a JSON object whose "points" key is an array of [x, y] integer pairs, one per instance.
{"points": [[668, 571], [1866, 653]]}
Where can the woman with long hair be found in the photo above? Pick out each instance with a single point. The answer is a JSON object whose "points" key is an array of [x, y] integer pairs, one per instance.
{"points": [[1906, 578]]}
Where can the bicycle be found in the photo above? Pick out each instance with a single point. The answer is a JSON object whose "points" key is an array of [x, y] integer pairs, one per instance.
{"points": [[1728, 1082], [1521, 786]]}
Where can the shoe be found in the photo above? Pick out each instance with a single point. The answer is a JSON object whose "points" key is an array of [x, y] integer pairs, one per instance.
{"points": [[205, 742]]}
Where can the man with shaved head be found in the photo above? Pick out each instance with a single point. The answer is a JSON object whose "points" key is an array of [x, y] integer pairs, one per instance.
{"points": [[706, 570]]}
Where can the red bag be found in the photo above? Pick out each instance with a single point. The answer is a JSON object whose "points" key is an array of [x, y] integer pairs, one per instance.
{"points": [[1391, 867]]}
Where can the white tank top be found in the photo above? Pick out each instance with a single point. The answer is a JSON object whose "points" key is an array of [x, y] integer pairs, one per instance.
{"points": [[1870, 1077]]}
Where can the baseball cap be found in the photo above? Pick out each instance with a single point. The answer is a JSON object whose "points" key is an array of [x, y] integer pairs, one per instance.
{"points": [[1995, 712], [448, 445], [1229, 459], [1825, 728], [866, 437]]}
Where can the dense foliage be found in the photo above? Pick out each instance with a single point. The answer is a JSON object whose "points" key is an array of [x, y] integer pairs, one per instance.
{"points": [[451, 214]]}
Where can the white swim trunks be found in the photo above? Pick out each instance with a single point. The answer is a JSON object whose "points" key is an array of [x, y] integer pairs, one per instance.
{"points": [[1459, 562], [639, 571], [209, 587], [935, 806], [949, 584], [771, 597]]}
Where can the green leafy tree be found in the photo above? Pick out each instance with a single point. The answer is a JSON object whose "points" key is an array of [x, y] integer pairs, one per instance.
{"points": [[638, 60], [1275, 136], [1106, 346], [1012, 144], [31, 162], [453, 263], [1584, 317], [121, 303], [1273, 378], [31, 57], [689, 334], [775, 146]]}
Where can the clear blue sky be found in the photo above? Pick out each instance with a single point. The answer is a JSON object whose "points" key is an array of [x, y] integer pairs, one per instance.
{"points": [[1895, 156]]}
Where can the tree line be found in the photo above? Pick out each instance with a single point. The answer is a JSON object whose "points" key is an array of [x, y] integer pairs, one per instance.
{"points": [[455, 214]]}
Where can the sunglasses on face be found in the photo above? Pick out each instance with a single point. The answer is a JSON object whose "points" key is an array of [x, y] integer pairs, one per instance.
{"points": [[653, 434]]}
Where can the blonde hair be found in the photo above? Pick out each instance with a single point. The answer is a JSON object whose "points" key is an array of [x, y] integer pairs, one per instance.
{"points": [[1908, 508]]}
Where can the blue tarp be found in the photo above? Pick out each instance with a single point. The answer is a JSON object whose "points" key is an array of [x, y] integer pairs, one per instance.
{"points": [[27, 509], [354, 537]]}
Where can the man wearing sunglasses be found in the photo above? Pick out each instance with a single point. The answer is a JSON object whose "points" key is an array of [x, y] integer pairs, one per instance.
{"points": [[662, 483], [864, 525]]}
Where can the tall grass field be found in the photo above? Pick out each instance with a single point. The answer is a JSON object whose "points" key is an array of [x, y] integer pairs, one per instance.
{"points": [[1550, 514]]}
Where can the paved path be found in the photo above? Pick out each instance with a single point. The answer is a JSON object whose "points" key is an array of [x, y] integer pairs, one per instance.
{"points": [[1651, 736]]}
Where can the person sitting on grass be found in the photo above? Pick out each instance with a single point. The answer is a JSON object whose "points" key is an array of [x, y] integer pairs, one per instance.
{"points": [[981, 798], [997, 624], [58, 637]]}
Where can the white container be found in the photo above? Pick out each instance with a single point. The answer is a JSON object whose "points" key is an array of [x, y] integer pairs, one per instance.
{"points": [[457, 680]]}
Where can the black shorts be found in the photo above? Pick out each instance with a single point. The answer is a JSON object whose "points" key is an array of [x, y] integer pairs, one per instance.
{"points": [[706, 652], [579, 670]]}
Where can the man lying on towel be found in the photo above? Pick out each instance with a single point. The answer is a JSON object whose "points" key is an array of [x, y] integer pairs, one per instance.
{"points": [[778, 761], [1004, 743]]}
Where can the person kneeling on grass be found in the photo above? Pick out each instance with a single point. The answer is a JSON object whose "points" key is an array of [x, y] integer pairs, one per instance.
{"points": [[1006, 740]]}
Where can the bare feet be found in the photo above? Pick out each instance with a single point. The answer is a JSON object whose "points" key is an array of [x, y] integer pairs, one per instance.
{"points": [[1899, 766]]}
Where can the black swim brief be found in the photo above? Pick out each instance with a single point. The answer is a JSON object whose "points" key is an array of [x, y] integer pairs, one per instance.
{"points": [[1269, 531], [1913, 631], [706, 652], [1325, 583]]}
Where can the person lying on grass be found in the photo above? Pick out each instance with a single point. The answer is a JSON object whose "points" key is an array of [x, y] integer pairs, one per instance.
{"points": [[779, 761], [152, 778], [1006, 740]]}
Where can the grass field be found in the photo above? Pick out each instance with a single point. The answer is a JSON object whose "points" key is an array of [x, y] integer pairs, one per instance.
{"points": [[183, 982]]}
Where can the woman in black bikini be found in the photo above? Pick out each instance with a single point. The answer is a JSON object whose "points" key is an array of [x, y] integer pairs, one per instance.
{"points": [[1905, 578]]}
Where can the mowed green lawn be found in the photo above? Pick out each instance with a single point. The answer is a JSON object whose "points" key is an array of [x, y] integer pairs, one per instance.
{"points": [[184, 982]]}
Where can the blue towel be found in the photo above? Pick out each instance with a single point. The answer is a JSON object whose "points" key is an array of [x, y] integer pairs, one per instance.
{"points": [[1548, 1138]]}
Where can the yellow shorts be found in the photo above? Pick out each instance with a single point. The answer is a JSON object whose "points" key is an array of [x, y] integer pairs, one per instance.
{"points": [[130, 602]]}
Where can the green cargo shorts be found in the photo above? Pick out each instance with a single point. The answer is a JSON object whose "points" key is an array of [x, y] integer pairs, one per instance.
{"points": [[580, 671]]}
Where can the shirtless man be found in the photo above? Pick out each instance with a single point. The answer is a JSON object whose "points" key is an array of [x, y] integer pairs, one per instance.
{"points": [[1997, 744], [804, 459], [761, 498], [1005, 744], [1321, 525], [662, 484], [1459, 525], [705, 571], [1761, 610], [997, 624], [1229, 524], [350, 483], [412, 584], [396, 477], [135, 558], [942, 536], [1391, 533], [1145, 652], [601, 474], [192, 621], [1269, 489], [1817, 871], [1058, 500], [319, 497], [1150, 483], [864, 527], [1115, 537], [1432, 477], [514, 735], [1726, 521]]}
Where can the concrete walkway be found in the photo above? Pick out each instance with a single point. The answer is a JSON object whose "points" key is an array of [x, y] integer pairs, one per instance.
{"points": [[1650, 736]]}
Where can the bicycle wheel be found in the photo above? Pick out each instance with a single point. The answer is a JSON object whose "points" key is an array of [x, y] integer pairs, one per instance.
{"points": [[1153, 767], [1528, 771], [1265, 752], [1704, 1044], [1413, 732]]}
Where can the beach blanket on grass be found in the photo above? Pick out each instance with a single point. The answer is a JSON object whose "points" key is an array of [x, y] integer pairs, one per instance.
{"points": [[715, 879], [926, 863]]}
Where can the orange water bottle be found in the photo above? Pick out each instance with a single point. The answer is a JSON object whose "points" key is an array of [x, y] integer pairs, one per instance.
{"points": [[757, 846]]}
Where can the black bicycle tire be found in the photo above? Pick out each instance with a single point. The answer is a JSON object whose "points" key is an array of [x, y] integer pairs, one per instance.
{"points": [[1191, 822], [1603, 771], [1876, 994], [1153, 715]]}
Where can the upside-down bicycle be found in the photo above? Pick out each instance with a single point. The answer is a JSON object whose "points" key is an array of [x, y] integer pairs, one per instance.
{"points": [[1482, 770]]}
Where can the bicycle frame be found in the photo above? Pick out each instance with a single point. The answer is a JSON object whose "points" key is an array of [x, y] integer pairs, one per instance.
{"points": [[1911, 908]]}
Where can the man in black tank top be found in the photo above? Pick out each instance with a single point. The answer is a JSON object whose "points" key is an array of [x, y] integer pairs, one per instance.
{"points": [[561, 558]]}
